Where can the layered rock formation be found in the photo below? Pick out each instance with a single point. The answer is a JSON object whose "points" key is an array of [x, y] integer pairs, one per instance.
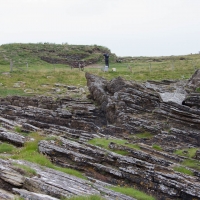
{"points": [[122, 109]]}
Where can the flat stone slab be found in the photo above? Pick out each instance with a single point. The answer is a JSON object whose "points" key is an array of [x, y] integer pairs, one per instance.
{"points": [[12, 137]]}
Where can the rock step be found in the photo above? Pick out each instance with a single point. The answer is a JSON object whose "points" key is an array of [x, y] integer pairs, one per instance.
{"points": [[32, 195], [12, 137], [161, 154], [5, 195], [139, 154], [50, 184]]}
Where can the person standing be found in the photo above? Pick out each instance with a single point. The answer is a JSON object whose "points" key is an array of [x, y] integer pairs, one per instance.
{"points": [[106, 55]]}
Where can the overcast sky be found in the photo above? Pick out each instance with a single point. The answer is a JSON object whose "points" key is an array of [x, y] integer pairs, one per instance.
{"points": [[126, 27]]}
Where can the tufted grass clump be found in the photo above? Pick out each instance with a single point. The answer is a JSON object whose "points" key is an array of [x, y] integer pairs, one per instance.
{"points": [[194, 164], [183, 170], [188, 152], [18, 198], [198, 89], [157, 147], [28, 171], [133, 193], [18, 129], [6, 148]]}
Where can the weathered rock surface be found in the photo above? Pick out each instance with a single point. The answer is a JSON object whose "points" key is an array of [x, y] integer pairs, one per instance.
{"points": [[192, 100], [50, 184], [138, 168], [194, 81], [5, 195], [11, 137], [136, 108], [124, 109], [32, 195]]}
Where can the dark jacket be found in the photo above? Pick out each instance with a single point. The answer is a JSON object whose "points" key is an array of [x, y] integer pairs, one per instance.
{"points": [[106, 56]]}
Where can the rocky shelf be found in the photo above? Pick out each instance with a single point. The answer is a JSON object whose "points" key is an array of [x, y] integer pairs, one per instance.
{"points": [[168, 111]]}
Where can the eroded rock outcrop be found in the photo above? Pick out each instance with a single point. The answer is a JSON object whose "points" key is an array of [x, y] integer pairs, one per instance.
{"points": [[47, 184], [139, 168], [194, 81], [124, 109], [136, 107]]}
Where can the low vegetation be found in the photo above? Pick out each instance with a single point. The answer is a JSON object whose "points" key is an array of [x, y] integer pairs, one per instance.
{"points": [[30, 153], [194, 164], [6, 148], [18, 198], [31, 75], [145, 135], [189, 152], [157, 147], [104, 143], [40, 77], [27, 171], [183, 170], [133, 193]]}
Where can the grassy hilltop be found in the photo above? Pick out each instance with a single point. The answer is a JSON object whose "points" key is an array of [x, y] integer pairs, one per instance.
{"points": [[38, 67]]}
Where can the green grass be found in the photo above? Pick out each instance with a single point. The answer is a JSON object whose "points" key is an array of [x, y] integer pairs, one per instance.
{"points": [[144, 135], [91, 197], [18, 129], [104, 143], [18, 198], [11, 92], [133, 193], [183, 170], [30, 153], [157, 147], [29, 172], [44, 75], [6, 148], [195, 164], [189, 152], [40, 73]]}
